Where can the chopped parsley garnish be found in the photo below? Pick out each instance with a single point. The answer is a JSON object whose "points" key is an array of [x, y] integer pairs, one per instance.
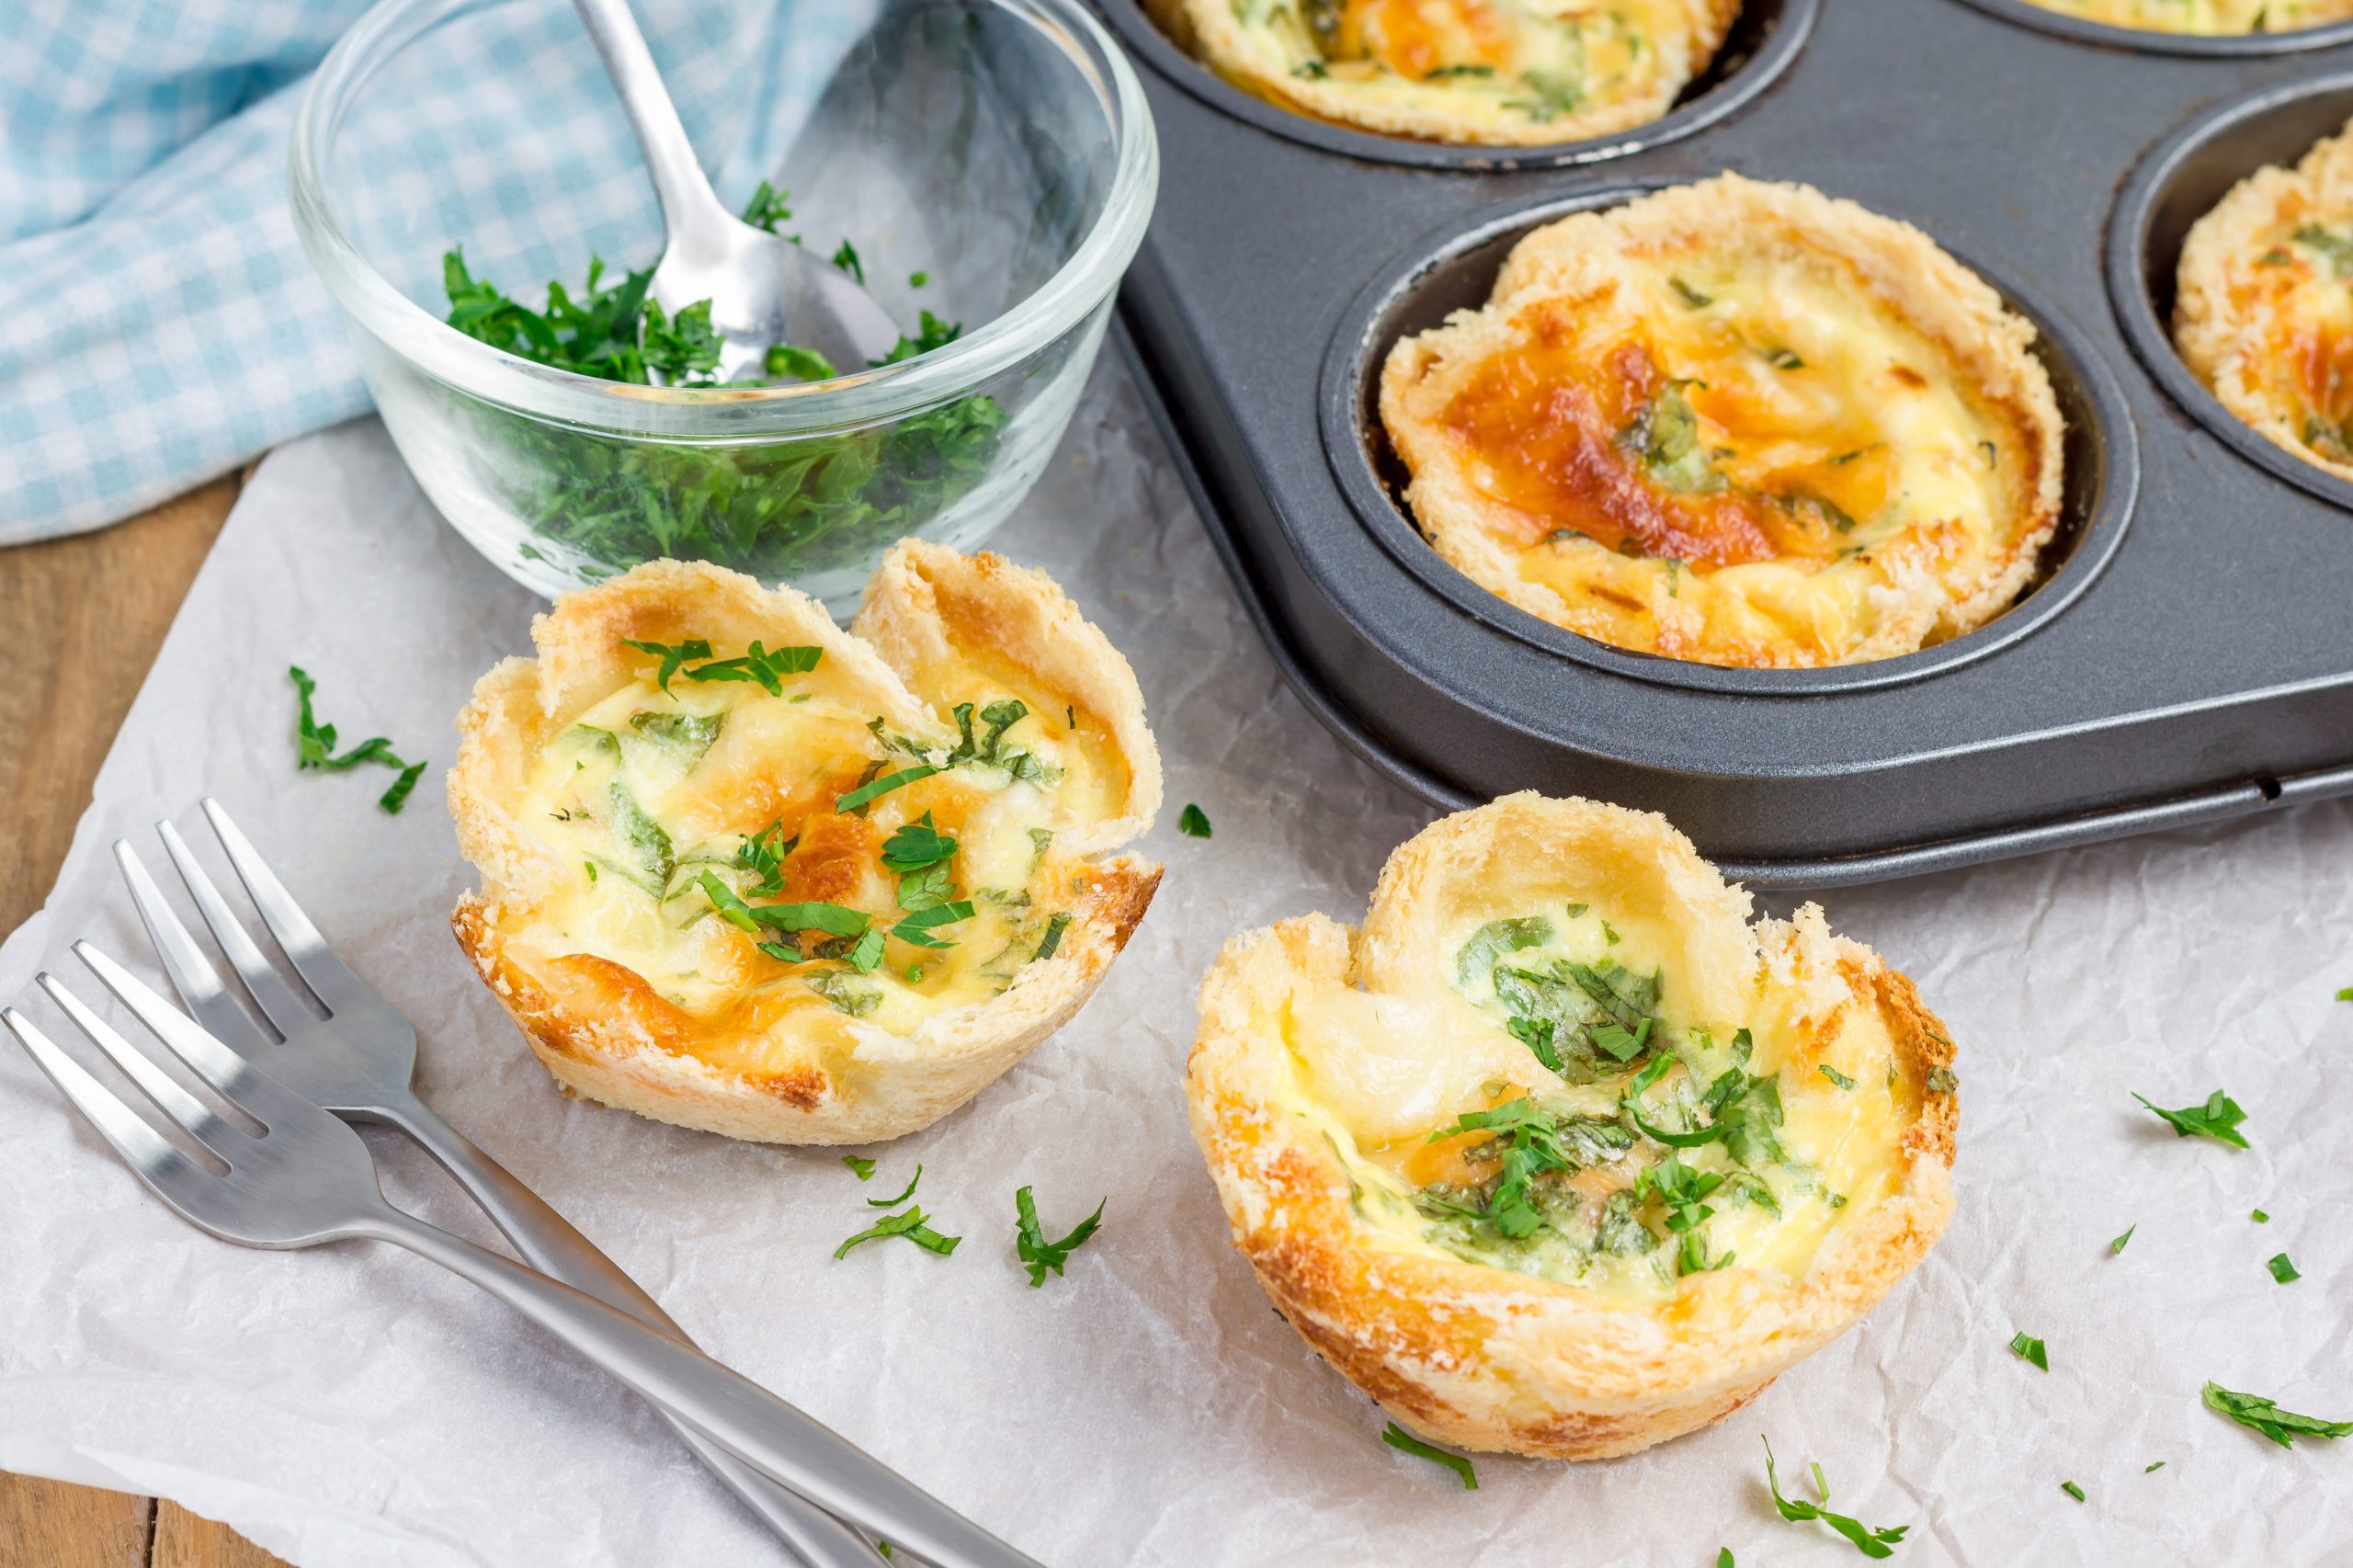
{"points": [[2152, 1469], [2072, 1490], [1442, 73], [867, 793], [846, 257], [1548, 97], [2346, 995], [912, 1224], [1193, 821], [2218, 1119], [2281, 1269], [863, 1169], [766, 209], [915, 929], [2335, 249], [1053, 937], [894, 1202], [1941, 1081], [1870, 1543], [1688, 295], [917, 845], [2282, 1426], [672, 655], [1031, 1245], [1837, 1077], [315, 748], [2118, 1244], [1531, 1143], [1397, 1438], [800, 364], [2259, 1217], [1783, 359], [1666, 432], [762, 854], [764, 666], [2030, 1349]]}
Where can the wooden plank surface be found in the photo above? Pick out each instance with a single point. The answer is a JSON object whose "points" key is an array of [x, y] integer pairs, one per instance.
{"points": [[88, 614]]}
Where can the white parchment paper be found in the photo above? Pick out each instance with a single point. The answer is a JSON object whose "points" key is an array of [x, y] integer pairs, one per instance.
{"points": [[353, 1405]]}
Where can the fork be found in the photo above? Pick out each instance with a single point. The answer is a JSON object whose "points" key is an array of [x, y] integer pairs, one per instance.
{"points": [[307, 1179], [359, 1061]]}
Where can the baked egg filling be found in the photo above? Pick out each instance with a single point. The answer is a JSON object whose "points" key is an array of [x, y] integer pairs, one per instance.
{"points": [[1549, 1103], [2209, 17], [750, 838]]}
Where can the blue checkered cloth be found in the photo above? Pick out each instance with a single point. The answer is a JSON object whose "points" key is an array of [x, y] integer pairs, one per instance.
{"points": [[159, 323]]}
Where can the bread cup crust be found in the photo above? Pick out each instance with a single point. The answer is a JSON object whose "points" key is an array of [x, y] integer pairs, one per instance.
{"points": [[1489, 1359], [1585, 254], [921, 598], [1210, 31], [2226, 346]]}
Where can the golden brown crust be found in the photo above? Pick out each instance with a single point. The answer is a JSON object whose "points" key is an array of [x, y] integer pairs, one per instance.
{"points": [[1912, 588], [806, 1087], [2224, 321], [1490, 1358], [1211, 30]]}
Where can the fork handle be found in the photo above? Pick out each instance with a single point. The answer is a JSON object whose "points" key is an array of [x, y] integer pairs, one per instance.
{"points": [[750, 1423], [549, 1241]]}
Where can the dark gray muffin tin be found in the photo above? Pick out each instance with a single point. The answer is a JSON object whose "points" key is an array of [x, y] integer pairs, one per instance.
{"points": [[2187, 653]]}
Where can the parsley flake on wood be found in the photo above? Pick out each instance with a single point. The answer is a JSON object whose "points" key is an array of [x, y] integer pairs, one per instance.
{"points": [[1870, 1543], [2281, 1269], [1193, 821], [863, 1169], [912, 1224], [2218, 1119], [2282, 1426], [2030, 1349], [1029, 1243], [315, 748], [1397, 1438]]}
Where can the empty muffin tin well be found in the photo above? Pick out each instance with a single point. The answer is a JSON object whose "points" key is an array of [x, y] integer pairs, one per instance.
{"points": [[2233, 46], [2191, 666], [1457, 272], [2175, 185], [1763, 41]]}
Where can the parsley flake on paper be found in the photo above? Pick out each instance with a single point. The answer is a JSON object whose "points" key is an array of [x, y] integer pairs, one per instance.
{"points": [[2030, 1349], [1030, 1244], [2281, 1269], [2072, 1490], [862, 1168], [912, 1224], [1193, 821], [894, 1202], [1870, 1543], [1397, 1438], [315, 748], [2218, 1119], [2118, 1244], [2282, 1426]]}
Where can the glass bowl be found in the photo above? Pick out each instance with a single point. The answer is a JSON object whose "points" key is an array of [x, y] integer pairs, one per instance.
{"points": [[987, 163]]}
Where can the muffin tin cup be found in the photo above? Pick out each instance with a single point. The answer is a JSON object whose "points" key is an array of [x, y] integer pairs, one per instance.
{"points": [[2175, 185], [1762, 43], [2241, 46], [1451, 271], [2182, 661]]}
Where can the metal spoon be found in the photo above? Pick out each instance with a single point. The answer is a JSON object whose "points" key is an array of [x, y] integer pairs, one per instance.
{"points": [[763, 289]]}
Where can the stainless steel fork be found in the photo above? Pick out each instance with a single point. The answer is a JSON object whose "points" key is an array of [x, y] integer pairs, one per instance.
{"points": [[306, 1179], [359, 1061]]}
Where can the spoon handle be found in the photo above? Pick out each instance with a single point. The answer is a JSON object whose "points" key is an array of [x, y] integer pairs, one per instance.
{"points": [[688, 204]]}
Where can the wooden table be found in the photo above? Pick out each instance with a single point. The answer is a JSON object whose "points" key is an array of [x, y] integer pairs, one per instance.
{"points": [[89, 613]]}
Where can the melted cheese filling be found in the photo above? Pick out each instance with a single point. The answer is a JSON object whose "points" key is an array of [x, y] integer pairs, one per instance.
{"points": [[2210, 16], [2298, 284], [648, 791], [1730, 412], [1488, 58], [1384, 1077]]}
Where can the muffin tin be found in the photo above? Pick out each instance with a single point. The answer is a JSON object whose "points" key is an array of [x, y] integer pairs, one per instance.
{"points": [[2184, 655]]}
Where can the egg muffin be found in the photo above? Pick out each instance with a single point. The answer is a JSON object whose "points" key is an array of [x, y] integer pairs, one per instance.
{"points": [[745, 872], [2263, 305], [1559, 1154], [1500, 73], [2215, 18], [1735, 423]]}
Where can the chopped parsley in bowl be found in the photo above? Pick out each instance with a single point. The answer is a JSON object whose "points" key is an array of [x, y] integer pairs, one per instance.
{"points": [[990, 168]]}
